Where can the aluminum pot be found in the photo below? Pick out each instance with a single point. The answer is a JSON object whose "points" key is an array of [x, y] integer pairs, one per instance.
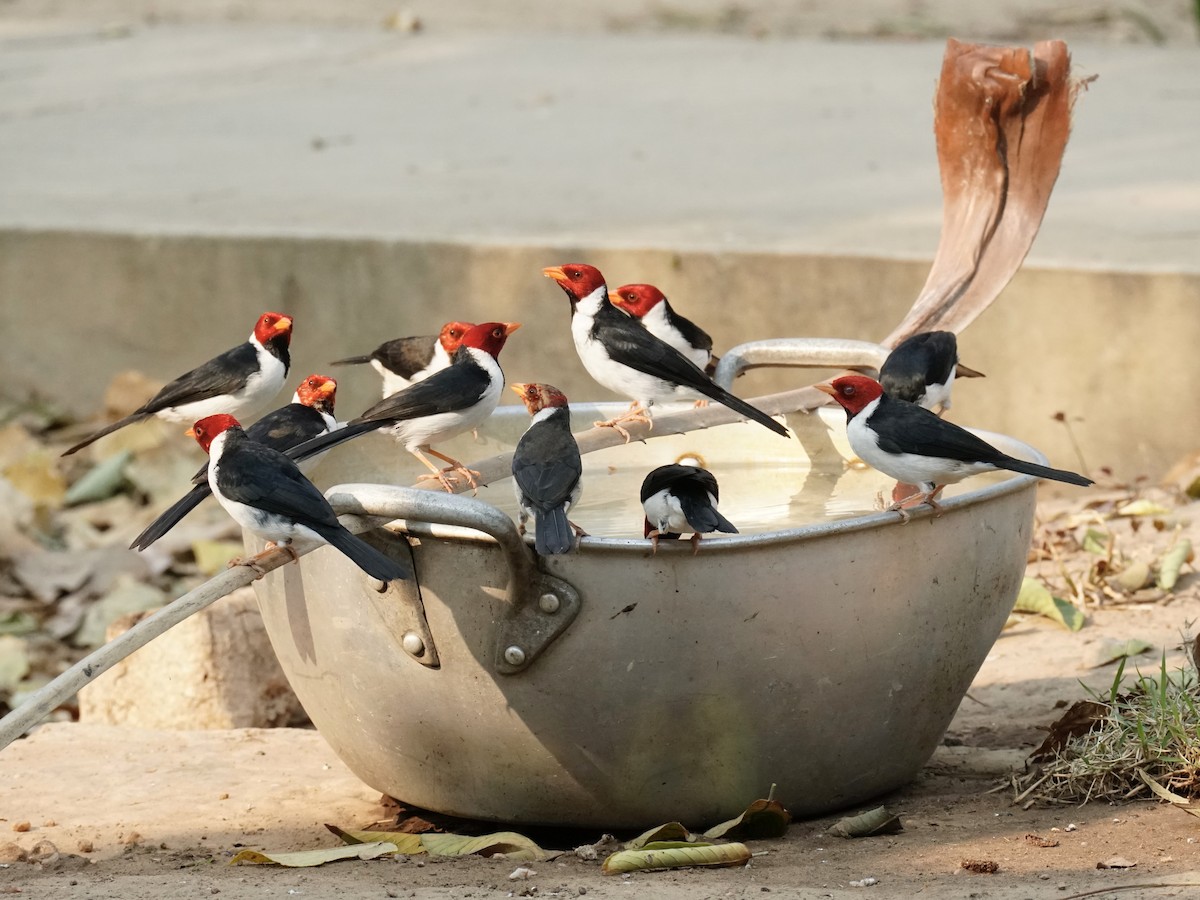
{"points": [[615, 688]]}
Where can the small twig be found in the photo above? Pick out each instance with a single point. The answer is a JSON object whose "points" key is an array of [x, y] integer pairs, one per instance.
{"points": [[49, 697], [1131, 887]]}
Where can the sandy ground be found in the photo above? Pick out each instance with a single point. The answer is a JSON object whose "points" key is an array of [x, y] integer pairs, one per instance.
{"points": [[161, 813]]}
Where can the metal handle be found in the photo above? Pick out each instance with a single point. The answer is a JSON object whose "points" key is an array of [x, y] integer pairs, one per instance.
{"points": [[540, 606], [827, 353]]}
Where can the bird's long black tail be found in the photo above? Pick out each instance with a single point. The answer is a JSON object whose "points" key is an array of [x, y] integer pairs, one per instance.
{"points": [[552, 532], [322, 442], [362, 554], [737, 404], [1028, 468], [170, 517], [703, 516], [107, 429], [351, 361]]}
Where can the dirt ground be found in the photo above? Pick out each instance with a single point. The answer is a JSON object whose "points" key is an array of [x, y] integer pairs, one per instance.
{"points": [[160, 814]]}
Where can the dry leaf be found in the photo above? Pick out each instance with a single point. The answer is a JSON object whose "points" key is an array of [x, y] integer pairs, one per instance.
{"points": [[681, 855], [671, 831], [762, 819], [308, 858], [1035, 597], [1082, 717], [872, 823], [1170, 796], [1172, 562], [1111, 651]]}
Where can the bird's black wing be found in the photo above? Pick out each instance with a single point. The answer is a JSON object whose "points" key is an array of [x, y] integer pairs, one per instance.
{"points": [[406, 356], [629, 344], [923, 359], [673, 475], [287, 426], [692, 333], [221, 375], [903, 427], [457, 387], [265, 479], [548, 475]]}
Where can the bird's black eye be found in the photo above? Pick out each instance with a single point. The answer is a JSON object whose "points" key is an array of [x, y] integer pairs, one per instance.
{"points": [[848, 390], [497, 332]]}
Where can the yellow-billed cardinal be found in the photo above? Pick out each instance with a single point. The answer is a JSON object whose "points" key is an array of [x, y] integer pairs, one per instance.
{"points": [[546, 469], [912, 445], [679, 498], [447, 403], [921, 369], [648, 304], [624, 357], [407, 360], [239, 381], [265, 492], [309, 414]]}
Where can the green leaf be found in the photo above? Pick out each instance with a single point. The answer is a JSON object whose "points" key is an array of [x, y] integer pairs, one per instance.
{"points": [[1096, 541], [1142, 508], [1172, 562], [1035, 597], [677, 857], [100, 482], [869, 824], [761, 819], [309, 858], [1111, 651], [1134, 577], [17, 622]]}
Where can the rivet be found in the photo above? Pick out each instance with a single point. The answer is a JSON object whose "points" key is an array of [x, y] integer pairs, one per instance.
{"points": [[412, 644], [548, 603], [514, 656]]}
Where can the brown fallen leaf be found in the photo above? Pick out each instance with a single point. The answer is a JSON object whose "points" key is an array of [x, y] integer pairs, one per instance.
{"points": [[1116, 862], [1038, 841], [1082, 717], [981, 866]]}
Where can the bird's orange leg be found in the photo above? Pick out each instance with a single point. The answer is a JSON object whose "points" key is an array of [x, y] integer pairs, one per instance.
{"points": [[436, 472], [635, 413], [456, 466], [252, 561]]}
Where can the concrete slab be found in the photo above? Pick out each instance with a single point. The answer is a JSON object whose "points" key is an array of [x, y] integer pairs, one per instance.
{"points": [[688, 142]]}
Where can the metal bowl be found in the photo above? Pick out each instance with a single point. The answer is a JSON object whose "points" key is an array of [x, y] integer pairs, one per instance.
{"points": [[615, 688]]}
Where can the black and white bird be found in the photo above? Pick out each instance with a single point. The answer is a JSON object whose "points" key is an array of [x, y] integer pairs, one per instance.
{"points": [[444, 405], [678, 499], [650, 306], [241, 381], [265, 492], [922, 368], [546, 469], [407, 360], [911, 444], [308, 415], [624, 357]]}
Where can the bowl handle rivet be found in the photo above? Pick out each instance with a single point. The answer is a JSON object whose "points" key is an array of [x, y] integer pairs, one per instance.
{"points": [[412, 644], [548, 603], [514, 656]]}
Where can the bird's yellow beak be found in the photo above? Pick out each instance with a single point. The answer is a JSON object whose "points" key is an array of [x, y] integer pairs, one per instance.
{"points": [[284, 323], [555, 272], [510, 327], [328, 387], [826, 388], [191, 432], [518, 389]]}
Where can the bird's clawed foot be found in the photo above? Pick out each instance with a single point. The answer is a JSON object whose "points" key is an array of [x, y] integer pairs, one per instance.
{"points": [[654, 536], [902, 504], [251, 562], [695, 544], [580, 534], [700, 404], [635, 413]]}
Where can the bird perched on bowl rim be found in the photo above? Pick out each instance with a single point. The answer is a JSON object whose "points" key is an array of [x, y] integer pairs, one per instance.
{"points": [[309, 414], [911, 444], [265, 492], [921, 369], [547, 470], [679, 498]]}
